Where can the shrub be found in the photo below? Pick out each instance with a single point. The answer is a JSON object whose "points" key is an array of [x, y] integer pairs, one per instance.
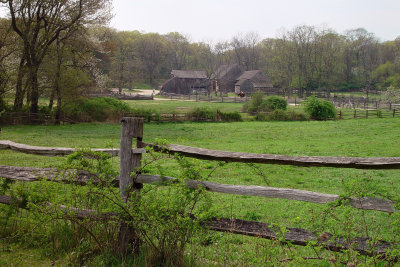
{"points": [[258, 103], [276, 102], [281, 115], [147, 114], [201, 114], [96, 109], [379, 113], [255, 102], [205, 114], [278, 115], [296, 116], [229, 116], [319, 109]]}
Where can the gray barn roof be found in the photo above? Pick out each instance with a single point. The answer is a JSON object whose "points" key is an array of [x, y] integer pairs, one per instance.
{"points": [[223, 70], [247, 75], [189, 74], [256, 77]]}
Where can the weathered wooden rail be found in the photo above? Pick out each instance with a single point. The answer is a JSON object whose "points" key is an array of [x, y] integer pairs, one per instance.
{"points": [[295, 236], [27, 174], [209, 154], [130, 160]]}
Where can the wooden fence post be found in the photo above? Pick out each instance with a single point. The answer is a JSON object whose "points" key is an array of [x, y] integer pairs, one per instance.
{"points": [[129, 162], [355, 113], [394, 112]]}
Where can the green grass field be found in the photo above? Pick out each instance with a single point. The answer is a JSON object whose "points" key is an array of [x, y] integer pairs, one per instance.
{"points": [[351, 138], [176, 106]]}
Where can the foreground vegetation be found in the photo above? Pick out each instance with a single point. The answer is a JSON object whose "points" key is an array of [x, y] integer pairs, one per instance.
{"points": [[363, 138]]}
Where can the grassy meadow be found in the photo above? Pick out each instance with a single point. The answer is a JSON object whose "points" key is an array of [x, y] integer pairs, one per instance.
{"points": [[351, 138], [177, 106]]}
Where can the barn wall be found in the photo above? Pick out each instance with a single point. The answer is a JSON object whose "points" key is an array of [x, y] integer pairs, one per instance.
{"points": [[247, 87], [181, 86]]}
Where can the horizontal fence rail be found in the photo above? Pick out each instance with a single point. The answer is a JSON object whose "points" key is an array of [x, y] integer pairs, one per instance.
{"points": [[28, 174], [209, 154], [337, 162], [296, 236], [367, 113], [55, 151]]}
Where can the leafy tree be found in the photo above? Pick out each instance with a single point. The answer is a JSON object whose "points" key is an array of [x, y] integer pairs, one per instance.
{"points": [[40, 23], [392, 94], [7, 49], [151, 51], [319, 109], [123, 64], [178, 48]]}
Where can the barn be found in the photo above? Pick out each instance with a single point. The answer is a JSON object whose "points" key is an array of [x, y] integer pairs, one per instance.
{"points": [[225, 77], [251, 81], [185, 82]]}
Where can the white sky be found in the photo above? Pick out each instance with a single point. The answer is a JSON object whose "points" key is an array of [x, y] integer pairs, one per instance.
{"points": [[218, 20]]}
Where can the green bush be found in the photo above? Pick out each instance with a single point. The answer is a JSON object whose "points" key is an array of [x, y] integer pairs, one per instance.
{"points": [[205, 114], [229, 116], [276, 102], [297, 116], [201, 114], [96, 109], [281, 115], [147, 114], [258, 103], [319, 109], [278, 115], [253, 106]]}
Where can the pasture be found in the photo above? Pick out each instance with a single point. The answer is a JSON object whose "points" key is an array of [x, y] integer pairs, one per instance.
{"points": [[177, 106], [350, 138]]}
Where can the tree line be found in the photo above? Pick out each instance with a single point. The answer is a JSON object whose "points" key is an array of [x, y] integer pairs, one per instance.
{"points": [[62, 49]]}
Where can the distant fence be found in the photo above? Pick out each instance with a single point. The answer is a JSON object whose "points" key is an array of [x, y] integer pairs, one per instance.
{"points": [[122, 96], [130, 162], [365, 114], [15, 118], [207, 98]]}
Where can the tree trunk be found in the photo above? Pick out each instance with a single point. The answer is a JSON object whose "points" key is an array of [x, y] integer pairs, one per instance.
{"points": [[51, 100], [34, 98], [19, 91], [57, 87], [28, 89], [121, 78]]}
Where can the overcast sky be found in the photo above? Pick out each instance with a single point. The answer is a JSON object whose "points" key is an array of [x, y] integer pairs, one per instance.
{"points": [[218, 20]]}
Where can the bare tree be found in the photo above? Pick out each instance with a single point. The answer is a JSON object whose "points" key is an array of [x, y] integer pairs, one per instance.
{"points": [[245, 47]]}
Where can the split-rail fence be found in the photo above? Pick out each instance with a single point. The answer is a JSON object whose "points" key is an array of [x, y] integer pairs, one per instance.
{"points": [[130, 160]]}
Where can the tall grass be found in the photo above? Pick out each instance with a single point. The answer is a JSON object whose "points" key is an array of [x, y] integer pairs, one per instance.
{"points": [[359, 138]]}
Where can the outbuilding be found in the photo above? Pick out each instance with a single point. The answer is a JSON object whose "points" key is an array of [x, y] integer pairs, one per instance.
{"points": [[225, 77], [251, 81], [185, 82]]}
